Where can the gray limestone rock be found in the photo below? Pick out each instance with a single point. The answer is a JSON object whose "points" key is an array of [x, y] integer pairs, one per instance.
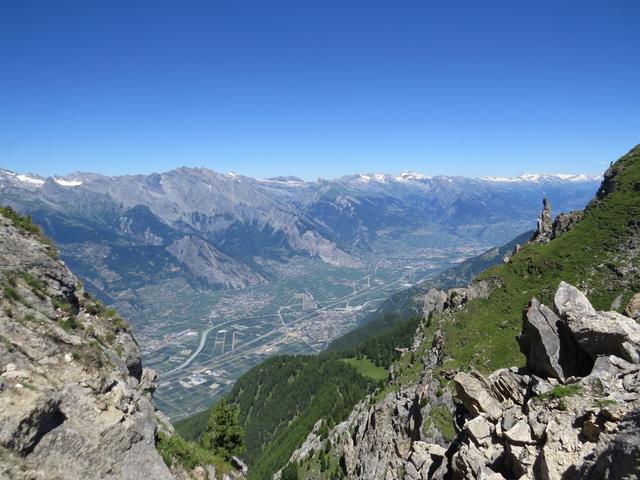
{"points": [[544, 231], [597, 333], [476, 397], [70, 407], [540, 341], [565, 222]]}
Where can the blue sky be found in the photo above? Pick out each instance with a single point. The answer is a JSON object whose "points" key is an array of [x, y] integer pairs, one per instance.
{"points": [[318, 88]]}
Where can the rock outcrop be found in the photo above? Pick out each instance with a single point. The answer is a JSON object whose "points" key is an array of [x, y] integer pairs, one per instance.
{"points": [[549, 229], [565, 222], [573, 412], [544, 230], [75, 401], [545, 429]]}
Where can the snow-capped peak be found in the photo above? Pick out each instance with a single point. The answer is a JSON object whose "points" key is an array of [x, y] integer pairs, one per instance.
{"points": [[67, 183], [542, 177], [411, 177], [372, 177], [28, 179]]}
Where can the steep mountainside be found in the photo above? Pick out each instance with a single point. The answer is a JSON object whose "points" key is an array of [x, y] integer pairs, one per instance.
{"points": [[75, 401], [281, 399], [440, 416]]}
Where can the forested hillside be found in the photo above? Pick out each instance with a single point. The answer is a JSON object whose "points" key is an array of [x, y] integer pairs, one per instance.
{"points": [[281, 399]]}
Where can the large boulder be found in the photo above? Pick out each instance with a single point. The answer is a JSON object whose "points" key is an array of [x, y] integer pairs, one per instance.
{"points": [[597, 333], [540, 341], [632, 309], [475, 396], [549, 346]]}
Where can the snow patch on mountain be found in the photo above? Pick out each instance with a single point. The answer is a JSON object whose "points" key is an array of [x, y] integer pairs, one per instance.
{"points": [[412, 177], [67, 183], [541, 177], [24, 178], [372, 177]]}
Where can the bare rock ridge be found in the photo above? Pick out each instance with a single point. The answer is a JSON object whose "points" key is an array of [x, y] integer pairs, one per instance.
{"points": [[572, 412], [75, 401]]}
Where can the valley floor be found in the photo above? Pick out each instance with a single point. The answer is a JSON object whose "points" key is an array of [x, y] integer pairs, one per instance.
{"points": [[200, 342]]}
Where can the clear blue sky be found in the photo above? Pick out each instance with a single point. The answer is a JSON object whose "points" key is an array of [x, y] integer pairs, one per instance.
{"points": [[318, 88]]}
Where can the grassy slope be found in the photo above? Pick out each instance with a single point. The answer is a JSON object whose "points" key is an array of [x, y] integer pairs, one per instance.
{"points": [[367, 368], [587, 256]]}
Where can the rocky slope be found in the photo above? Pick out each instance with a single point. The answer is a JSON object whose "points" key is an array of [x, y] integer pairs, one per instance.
{"points": [[572, 412], [75, 400], [463, 403]]}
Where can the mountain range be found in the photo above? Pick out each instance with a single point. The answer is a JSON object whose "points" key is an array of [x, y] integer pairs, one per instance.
{"points": [[230, 231], [529, 371]]}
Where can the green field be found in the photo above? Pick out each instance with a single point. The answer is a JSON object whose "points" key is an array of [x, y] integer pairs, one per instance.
{"points": [[367, 368]]}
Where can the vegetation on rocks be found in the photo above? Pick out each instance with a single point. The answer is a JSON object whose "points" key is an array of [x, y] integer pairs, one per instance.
{"points": [[224, 435], [598, 254], [25, 224], [280, 400], [175, 450]]}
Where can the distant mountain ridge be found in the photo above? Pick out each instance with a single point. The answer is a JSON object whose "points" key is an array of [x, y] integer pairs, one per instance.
{"points": [[230, 231], [75, 179]]}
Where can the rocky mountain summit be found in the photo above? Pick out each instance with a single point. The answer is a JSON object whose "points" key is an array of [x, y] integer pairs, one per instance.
{"points": [[75, 400]]}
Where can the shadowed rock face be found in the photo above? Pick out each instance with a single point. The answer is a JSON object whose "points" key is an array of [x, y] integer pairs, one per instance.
{"points": [[71, 402], [597, 333], [540, 341]]}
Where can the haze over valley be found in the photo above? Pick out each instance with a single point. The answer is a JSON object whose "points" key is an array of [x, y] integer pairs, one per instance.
{"points": [[216, 272]]}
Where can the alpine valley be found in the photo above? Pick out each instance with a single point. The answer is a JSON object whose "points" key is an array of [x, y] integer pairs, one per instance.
{"points": [[217, 272], [527, 369]]}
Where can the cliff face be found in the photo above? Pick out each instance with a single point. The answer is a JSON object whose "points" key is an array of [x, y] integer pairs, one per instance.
{"points": [[75, 401]]}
